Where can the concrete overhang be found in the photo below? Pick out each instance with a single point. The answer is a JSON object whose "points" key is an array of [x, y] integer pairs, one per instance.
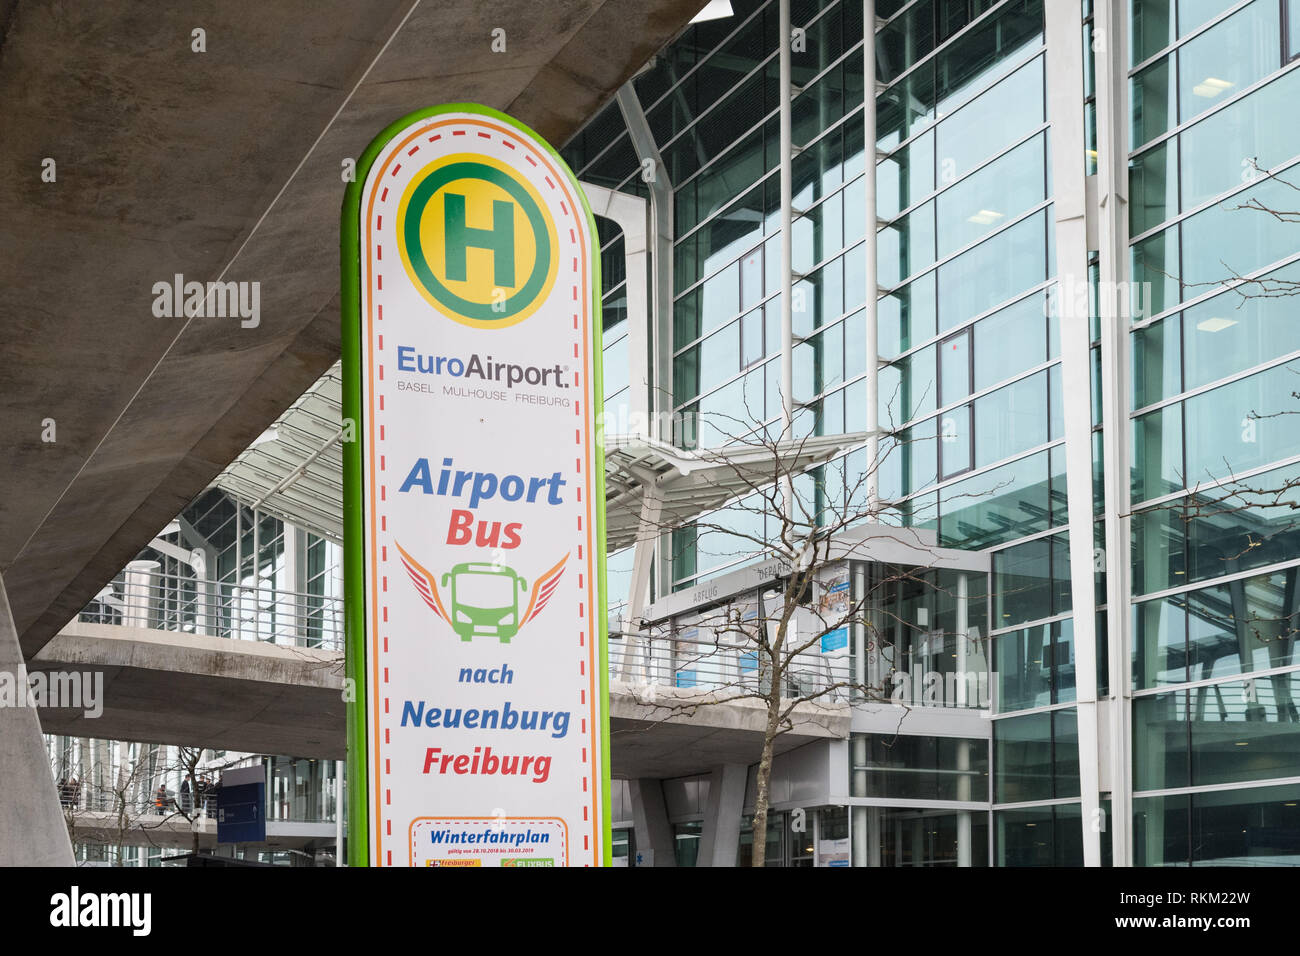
{"points": [[175, 688], [222, 164], [166, 687], [668, 732]]}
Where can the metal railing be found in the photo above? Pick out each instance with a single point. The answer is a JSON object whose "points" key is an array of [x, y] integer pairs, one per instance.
{"points": [[136, 807], [686, 664], [219, 609]]}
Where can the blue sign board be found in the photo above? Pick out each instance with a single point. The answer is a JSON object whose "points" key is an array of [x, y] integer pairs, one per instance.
{"points": [[835, 640], [241, 807]]}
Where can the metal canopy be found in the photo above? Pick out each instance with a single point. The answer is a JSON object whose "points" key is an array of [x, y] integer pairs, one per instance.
{"points": [[690, 483], [295, 471]]}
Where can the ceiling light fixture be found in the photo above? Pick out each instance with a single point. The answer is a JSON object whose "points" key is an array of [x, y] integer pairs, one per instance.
{"points": [[1211, 87], [1215, 324]]}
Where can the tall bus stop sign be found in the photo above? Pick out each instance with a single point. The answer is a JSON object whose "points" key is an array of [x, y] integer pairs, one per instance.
{"points": [[474, 501]]}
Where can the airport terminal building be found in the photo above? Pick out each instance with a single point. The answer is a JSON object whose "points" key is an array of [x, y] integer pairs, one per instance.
{"points": [[1067, 230]]}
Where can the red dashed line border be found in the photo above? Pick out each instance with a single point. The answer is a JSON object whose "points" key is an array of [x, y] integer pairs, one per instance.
{"points": [[577, 383]]}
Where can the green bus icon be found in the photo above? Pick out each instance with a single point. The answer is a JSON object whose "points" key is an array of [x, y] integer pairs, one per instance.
{"points": [[484, 600]]}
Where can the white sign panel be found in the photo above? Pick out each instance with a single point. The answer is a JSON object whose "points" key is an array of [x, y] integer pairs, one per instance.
{"points": [[481, 496]]}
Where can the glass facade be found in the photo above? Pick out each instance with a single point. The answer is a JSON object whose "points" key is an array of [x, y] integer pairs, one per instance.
{"points": [[970, 378], [1213, 435]]}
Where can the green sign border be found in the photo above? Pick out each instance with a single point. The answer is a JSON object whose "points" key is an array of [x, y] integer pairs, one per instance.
{"points": [[354, 589]]}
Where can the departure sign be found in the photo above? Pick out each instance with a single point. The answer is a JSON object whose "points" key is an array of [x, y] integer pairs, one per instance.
{"points": [[474, 518]]}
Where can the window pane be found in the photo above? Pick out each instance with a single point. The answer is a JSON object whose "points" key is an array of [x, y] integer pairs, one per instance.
{"points": [[1254, 827], [1157, 453], [995, 195], [1153, 102], [1241, 627], [1065, 729], [906, 246], [1228, 57], [1153, 187], [907, 317], [1152, 28], [1158, 549], [1010, 341], [1157, 362], [997, 506], [1155, 274], [1222, 241], [994, 271], [955, 447], [1022, 666], [1025, 837], [944, 768], [1011, 420], [1194, 13], [721, 297], [903, 179], [1229, 334], [1160, 742], [1022, 758], [989, 122], [1160, 642], [1160, 830], [954, 368], [1242, 425], [1022, 583], [1221, 148], [907, 387], [1245, 730]]}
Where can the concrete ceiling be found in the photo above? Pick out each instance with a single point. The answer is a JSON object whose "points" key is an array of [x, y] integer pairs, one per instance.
{"points": [[224, 163]]}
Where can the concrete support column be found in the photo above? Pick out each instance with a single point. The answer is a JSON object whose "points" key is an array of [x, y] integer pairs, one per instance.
{"points": [[860, 824], [654, 834], [874, 854], [720, 838], [139, 580], [963, 816], [32, 830]]}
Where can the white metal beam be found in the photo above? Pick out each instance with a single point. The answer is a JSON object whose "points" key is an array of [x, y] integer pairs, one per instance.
{"points": [[1064, 35], [1110, 24]]}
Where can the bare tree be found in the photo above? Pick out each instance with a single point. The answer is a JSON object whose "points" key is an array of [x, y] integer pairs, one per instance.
{"points": [[785, 645], [115, 794]]}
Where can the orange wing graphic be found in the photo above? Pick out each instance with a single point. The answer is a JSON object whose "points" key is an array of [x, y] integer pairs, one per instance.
{"points": [[543, 588], [424, 583]]}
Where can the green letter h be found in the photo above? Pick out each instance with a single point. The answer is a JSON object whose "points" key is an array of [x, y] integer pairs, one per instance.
{"points": [[500, 239]]}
